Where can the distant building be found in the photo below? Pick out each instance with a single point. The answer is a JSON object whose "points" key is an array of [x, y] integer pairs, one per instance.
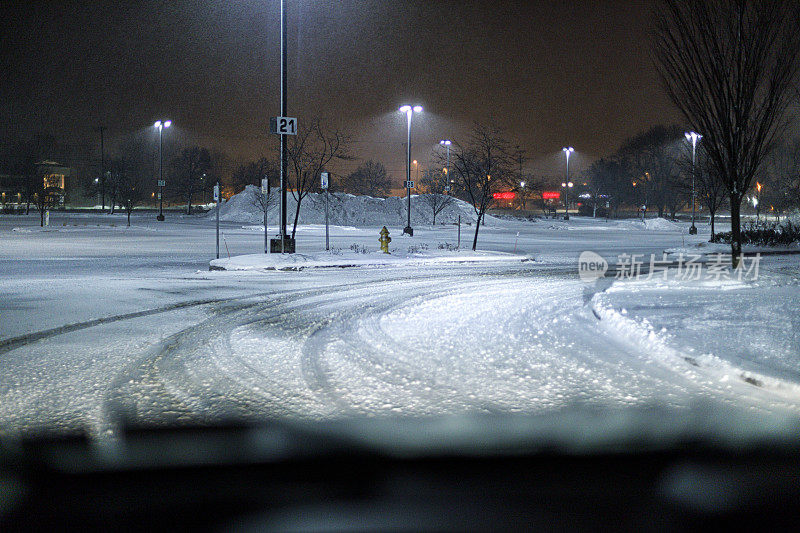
{"points": [[55, 177], [11, 189]]}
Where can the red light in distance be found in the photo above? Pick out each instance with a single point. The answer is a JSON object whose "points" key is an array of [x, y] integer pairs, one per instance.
{"points": [[504, 195]]}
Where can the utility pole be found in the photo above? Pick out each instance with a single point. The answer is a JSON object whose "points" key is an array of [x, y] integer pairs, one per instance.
{"points": [[408, 228], [266, 192], [324, 185], [102, 167], [217, 200], [284, 105], [409, 111], [693, 137], [446, 143], [283, 126], [520, 153]]}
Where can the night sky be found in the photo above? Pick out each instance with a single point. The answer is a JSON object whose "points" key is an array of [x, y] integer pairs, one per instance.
{"points": [[549, 73]]}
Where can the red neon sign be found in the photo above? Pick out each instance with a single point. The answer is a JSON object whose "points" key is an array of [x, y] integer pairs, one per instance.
{"points": [[504, 195], [551, 195]]}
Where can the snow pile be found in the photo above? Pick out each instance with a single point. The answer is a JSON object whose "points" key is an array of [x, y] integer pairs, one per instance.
{"points": [[660, 224], [654, 224], [358, 258], [345, 210]]}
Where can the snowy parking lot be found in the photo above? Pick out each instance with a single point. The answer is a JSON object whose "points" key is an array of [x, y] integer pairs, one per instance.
{"points": [[99, 321]]}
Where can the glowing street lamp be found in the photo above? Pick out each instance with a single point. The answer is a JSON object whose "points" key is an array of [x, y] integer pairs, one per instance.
{"points": [[446, 143], [160, 126], [568, 184], [409, 111], [694, 138]]}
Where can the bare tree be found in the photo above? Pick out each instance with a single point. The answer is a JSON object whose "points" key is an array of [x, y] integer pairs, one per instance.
{"points": [[189, 167], [434, 186], [480, 168], [653, 156], [529, 186], [730, 67], [253, 172], [45, 197], [369, 178], [264, 169], [309, 153], [781, 184], [131, 184], [609, 178], [710, 189]]}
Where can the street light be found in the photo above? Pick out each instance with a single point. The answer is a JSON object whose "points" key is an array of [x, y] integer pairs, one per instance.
{"points": [[160, 126], [694, 138], [567, 151], [446, 143], [409, 111], [566, 185], [757, 200]]}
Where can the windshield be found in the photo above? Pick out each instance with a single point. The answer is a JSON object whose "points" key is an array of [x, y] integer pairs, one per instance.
{"points": [[517, 222]]}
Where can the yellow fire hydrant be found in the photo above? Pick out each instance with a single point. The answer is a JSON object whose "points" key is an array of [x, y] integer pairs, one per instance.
{"points": [[385, 240]]}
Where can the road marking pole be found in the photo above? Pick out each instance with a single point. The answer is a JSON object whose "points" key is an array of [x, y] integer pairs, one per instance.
{"points": [[216, 199], [265, 190], [324, 185]]}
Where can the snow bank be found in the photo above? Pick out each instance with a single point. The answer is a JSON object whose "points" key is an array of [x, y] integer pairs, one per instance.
{"points": [[653, 224], [694, 327], [357, 258], [577, 223], [345, 210], [660, 224], [713, 248]]}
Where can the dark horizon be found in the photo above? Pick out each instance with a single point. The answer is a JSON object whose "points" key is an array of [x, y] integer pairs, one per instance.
{"points": [[549, 75]]}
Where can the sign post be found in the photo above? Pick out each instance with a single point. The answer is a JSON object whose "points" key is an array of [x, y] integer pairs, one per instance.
{"points": [[324, 185], [282, 126], [216, 199], [265, 190]]}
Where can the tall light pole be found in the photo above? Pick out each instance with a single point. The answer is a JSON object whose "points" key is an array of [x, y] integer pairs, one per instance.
{"points": [[446, 143], [284, 105], [694, 138], [409, 111], [567, 184], [160, 125], [102, 168]]}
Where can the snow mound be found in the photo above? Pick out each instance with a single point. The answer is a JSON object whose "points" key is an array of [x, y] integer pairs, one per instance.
{"points": [[345, 210], [660, 224], [653, 224]]}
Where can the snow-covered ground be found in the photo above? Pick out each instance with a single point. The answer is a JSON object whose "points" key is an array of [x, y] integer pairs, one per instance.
{"points": [[360, 257], [99, 321]]}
